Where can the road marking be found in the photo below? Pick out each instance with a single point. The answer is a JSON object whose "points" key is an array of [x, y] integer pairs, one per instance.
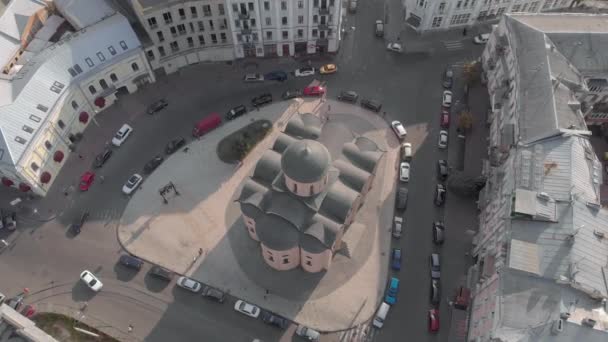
{"points": [[453, 45], [361, 333]]}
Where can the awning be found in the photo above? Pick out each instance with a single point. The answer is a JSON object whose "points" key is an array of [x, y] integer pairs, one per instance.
{"points": [[24, 187], [100, 102], [7, 182], [58, 156], [45, 177], [83, 117]]}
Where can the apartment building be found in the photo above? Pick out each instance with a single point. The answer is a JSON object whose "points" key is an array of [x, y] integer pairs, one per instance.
{"points": [[63, 62], [427, 15], [541, 253]]}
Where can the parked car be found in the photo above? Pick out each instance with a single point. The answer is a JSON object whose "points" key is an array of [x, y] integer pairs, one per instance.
{"points": [[328, 69], [435, 266], [396, 259], [189, 284], [406, 151], [352, 6], [435, 293], [448, 78], [261, 100], [446, 99], [348, 96], [277, 75], [381, 314], [395, 47], [397, 227], [391, 292], [161, 273], [153, 163], [247, 309], [481, 38], [123, 133], [157, 106], [444, 119], [236, 112], [307, 333], [399, 129], [102, 158], [439, 195], [86, 180], [91, 280], [433, 320], [402, 197], [443, 139], [206, 125], [305, 71], [132, 183], [130, 261], [404, 172], [314, 91], [253, 78], [379, 28], [214, 294], [291, 94], [175, 145], [275, 320], [372, 105], [442, 169], [438, 232]]}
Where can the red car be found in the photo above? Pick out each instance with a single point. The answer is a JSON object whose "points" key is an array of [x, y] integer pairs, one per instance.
{"points": [[445, 119], [433, 320], [314, 91], [86, 180]]}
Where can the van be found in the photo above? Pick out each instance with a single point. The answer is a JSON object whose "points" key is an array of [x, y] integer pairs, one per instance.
{"points": [[406, 152], [207, 124], [381, 315]]}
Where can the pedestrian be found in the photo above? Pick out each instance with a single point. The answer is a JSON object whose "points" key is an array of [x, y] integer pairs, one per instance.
{"points": [[328, 108], [130, 328], [267, 292], [101, 179], [383, 114], [464, 31], [80, 156], [200, 251]]}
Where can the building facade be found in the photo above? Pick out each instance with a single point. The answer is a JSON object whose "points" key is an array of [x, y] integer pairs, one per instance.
{"points": [[55, 79], [430, 15]]}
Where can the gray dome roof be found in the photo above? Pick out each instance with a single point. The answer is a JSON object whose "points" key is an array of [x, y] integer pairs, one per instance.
{"points": [[306, 161]]}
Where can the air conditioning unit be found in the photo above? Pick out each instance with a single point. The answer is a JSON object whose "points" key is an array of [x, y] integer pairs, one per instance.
{"points": [[558, 326]]}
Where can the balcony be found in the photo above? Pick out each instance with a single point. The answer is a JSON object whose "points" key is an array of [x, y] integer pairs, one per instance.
{"points": [[323, 26], [248, 45], [322, 41], [323, 10], [244, 16], [246, 30]]}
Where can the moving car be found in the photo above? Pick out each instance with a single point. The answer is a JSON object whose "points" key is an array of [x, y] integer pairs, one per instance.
{"points": [[305, 71], [397, 227], [433, 320], [291, 94], [307, 333], [153, 164], [91, 280], [130, 261], [247, 309], [102, 158], [236, 112], [435, 293], [175, 145], [261, 100], [481, 38], [379, 28], [435, 266], [214, 294], [446, 100], [404, 172], [439, 195], [443, 139], [76, 227], [396, 259], [206, 125], [161, 273], [348, 96], [448, 78], [276, 320], [444, 119], [442, 169], [438, 232], [395, 47], [157, 106], [328, 69], [314, 91], [253, 78], [399, 129], [123, 133], [391, 292], [188, 284], [381, 315], [277, 75], [132, 184], [86, 180], [371, 105], [402, 197]]}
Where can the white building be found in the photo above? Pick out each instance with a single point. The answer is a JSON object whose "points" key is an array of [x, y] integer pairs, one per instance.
{"points": [[542, 248], [57, 74], [425, 15]]}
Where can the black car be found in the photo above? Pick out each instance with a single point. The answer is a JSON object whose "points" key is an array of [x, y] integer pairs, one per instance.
{"points": [[261, 100], [448, 78], [157, 106], [372, 105], [277, 75], [402, 198], [438, 232], [102, 158], [348, 96], [442, 169], [435, 293], [131, 261], [161, 273], [76, 227], [275, 320], [175, 145], [214, 294], [236, 112], [439, 195], [291, 94], [153, 164]]}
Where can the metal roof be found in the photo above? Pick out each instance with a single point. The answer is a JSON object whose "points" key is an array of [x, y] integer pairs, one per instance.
{"points": [[13, 22], [276, 232], [82, 13], [302, 126], [306, 161]]}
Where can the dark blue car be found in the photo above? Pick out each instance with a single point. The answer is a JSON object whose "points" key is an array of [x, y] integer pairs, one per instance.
{"points": [[276, 76], [396, 259]]}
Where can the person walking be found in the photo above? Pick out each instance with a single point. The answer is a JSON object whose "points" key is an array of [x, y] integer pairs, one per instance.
{"points": [[464, 32]]}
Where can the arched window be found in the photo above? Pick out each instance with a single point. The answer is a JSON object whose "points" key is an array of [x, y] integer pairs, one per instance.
{"points": [[61, 124], [312, 189], [286, 260], [92, 90], [103, 84], [48, 145], [295, 187], [113, 78], [34, 166], [134, 66], [74, 105]]}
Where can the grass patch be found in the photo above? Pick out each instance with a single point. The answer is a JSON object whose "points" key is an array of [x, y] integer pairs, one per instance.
{"points": [[61, 327], [236, 146]]}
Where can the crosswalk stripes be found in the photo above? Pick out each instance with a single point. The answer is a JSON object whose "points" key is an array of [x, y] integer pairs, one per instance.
{"points": [[452, 45], [361, 333]]}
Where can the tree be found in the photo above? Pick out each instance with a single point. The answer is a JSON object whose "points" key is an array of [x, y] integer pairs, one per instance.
{"points": [[472, 72], [465, 121], [465, 185]]}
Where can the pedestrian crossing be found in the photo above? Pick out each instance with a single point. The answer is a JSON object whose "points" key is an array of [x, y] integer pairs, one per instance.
{"points": [[361, 333], [453, 45], [95, 214]]}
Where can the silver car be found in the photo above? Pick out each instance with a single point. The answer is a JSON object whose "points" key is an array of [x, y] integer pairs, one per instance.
{"points": [[189, 284], [253, 78]]}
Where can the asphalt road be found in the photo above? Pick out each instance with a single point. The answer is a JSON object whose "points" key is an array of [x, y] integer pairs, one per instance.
{"points": [[47, 260]]}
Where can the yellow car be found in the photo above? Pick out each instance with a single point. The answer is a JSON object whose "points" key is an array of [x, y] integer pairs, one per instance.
{"points": [[328, 69]]}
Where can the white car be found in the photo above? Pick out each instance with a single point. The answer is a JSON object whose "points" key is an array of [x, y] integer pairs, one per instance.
{"points": [[443, 139], [305, 71], [91, 280], [481, 38], [189, 284], [309, 334], [395, 47], [247, 309], [399, 129], [447, 99], [397, 227], [122, 135], [132, 184], [404, 172]]}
